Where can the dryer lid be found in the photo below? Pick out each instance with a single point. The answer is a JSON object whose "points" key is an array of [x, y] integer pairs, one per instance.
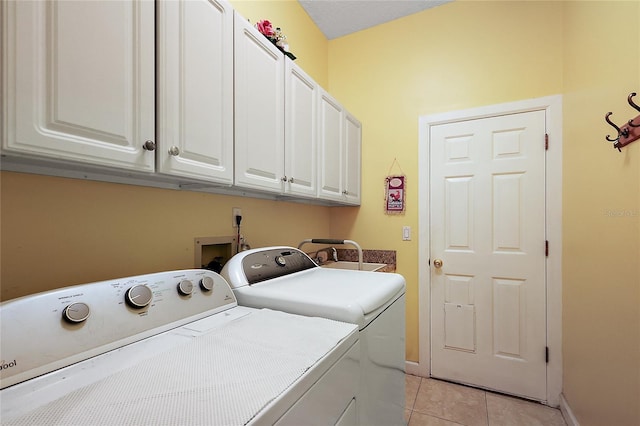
{"points": [[342, 295]]}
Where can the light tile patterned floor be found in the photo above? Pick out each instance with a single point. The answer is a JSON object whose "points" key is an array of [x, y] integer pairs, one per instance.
{"points": [[431, 402]]}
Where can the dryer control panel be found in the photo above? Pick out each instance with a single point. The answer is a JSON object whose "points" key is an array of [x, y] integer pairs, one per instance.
{"points": [[262, 265]]}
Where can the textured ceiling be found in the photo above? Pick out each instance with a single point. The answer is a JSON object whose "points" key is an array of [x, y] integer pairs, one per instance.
{"points": [[337, 18]]}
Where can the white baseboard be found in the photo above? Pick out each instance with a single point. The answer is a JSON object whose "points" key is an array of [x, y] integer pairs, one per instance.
{"points": [[567, 413], [415, 369]]}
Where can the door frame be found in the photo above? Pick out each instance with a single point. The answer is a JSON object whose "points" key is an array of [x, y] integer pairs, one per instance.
{"points": [[552, 105]]}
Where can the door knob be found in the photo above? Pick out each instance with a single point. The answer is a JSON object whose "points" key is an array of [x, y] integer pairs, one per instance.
{"points": [[438, 263]]}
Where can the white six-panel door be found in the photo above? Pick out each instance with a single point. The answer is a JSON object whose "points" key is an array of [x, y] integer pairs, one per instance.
{"points": [[487, 227]]}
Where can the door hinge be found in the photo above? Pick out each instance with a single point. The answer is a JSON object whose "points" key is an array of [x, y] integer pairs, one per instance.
{"points": [[546, 354], [546, 248], [546, 141]]}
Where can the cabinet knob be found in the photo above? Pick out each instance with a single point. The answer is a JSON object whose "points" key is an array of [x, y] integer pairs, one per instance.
{"points": [[284, 178], [149, 146], [174, 150], [345, 192], [291, 180]]}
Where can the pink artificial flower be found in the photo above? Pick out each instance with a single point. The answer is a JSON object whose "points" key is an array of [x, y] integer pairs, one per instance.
{"points": [[265, 28]]}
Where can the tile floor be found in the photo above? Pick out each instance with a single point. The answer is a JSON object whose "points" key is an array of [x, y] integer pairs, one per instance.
{"points": [[433, 402]]}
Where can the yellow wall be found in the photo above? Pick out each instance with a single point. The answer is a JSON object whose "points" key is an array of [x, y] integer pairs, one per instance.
{"points": [[452, 57], [464, 54], [58, 232], [601, 223], [467, 54], [305, 40]]}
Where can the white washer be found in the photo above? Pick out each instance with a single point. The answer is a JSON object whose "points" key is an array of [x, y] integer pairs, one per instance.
{"points": [[171, 348], [286, 279]]}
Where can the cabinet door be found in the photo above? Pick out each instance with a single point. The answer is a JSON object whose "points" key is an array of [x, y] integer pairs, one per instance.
{"points": [[352, 155], [300, 131], [330, 149], [195, 89], [259, 109], [79, 81]]}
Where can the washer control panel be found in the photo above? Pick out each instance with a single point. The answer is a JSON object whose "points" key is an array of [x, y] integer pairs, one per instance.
{"points": [[50, 330], [267, 264]]}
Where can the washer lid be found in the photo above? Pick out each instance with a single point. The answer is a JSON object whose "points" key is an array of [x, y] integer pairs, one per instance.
{"points": [[342, 295]]}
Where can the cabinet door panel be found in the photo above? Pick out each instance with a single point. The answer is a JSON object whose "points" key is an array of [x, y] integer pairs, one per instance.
{"points": [[79, 81], [352, 169], [300, 131], [330, 139], [259, 109], [195, 82]]}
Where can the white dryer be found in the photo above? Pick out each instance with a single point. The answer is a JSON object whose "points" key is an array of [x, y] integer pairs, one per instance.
{"points": [[286, 279]]}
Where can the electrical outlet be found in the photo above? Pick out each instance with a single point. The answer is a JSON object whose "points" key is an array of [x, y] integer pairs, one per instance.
{"points": [[235, 211]]}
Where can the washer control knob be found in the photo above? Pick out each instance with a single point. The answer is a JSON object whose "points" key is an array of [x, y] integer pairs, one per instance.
{"points": [[206, 283], [138, 296], [76, 312], [185, 287], [280, 261]]}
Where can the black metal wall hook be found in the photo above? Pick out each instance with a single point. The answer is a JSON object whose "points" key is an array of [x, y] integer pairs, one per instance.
{"points": [[636, 107], [619, 131], [629, 132]]}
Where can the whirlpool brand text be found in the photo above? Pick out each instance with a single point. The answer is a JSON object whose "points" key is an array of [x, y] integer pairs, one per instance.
{"points": [[6, 365]]}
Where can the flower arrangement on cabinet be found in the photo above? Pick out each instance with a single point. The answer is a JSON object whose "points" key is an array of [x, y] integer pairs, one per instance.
{"points": [[275, 36]]}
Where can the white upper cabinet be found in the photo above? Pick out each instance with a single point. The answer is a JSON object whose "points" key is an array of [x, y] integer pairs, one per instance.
{"points": [[220, 106], [300, 132], [195, 89], [259, 110], [352, 158], [79, 81], [339, 140]]}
